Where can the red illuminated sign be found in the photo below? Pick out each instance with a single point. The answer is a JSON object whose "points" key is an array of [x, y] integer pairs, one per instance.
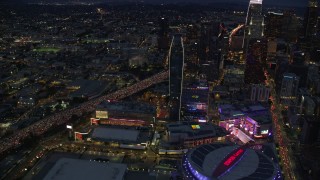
{"points": [[79, 136], [229, 161], [95, 121], [233, 157]]}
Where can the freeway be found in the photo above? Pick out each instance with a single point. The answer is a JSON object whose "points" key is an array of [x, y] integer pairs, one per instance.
{"points": [[42, 126]]}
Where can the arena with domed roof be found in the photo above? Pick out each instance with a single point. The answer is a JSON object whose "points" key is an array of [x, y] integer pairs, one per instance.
{"points": [[229, 162]]}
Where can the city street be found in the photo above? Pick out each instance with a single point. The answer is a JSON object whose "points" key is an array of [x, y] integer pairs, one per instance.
{"points": [[279, 133]]}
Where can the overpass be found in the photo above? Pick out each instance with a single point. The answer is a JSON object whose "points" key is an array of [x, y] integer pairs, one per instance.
{"points": [[42, 126]]}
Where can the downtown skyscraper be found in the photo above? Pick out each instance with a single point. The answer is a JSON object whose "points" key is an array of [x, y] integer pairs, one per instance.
{"points": [[254, 23], [254, 44], [176, 63], [311, 20]]}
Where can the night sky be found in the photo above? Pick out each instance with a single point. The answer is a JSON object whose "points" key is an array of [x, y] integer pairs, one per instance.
{"points": [[269, 2]]}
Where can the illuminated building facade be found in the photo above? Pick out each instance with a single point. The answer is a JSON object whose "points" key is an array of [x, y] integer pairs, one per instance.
{"points": [[194, 102], [254, 120], [228, 162], [119, 122], [311, 19], [124, 114], [289, 89]]}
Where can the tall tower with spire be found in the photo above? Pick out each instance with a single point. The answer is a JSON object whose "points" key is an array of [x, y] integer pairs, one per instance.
{"points": [[254, 23], [310, 24]]}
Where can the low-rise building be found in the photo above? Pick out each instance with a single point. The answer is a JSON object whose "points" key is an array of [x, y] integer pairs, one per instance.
{"points": [[194, 134]]}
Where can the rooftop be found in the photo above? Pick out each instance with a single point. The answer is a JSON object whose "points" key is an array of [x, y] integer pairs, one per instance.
{"points": [[66, 169], [194, 95], [115, 134], [229, 111], [196, 130], [127, 106]]}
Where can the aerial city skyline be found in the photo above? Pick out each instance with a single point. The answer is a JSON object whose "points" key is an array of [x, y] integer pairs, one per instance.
{"points": [[156, 89]]}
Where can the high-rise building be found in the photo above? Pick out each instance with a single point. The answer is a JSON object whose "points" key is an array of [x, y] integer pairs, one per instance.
{"points": [[311, 19], [194, 102], [254, 22], [236, 38], [164, 26], [290, 26], [176, 63], [254, 45], [163, 33], [310, 130], [211, 33], [274, 23], [307, 106], [289, 89], [256, 61]]}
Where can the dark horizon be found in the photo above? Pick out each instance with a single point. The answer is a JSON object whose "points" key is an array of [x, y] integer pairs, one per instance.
{"points": [[287, 3]]}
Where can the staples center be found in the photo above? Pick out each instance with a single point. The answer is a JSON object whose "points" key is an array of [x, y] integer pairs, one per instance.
{"points": [[229, 162]]}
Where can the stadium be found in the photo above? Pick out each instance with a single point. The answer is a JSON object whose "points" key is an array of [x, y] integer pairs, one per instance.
{"points": [[228, 162]]}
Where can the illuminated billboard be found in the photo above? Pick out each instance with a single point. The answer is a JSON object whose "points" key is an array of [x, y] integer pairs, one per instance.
{"points": [[94, 121], [102, 114], [78, 136], [255, 1], [195, 126]]}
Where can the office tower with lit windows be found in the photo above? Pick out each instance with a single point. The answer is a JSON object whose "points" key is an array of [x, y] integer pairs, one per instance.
{"points": [[176, 62], [311, 20], [290, 26], [289, 89], [274, 24], [281, 25], [255, 62], [210, 35]]}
